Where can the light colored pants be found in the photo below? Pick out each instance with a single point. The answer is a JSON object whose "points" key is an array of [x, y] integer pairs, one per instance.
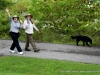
{"points": [[30, 40]]}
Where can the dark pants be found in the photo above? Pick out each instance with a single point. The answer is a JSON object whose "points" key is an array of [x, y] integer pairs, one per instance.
{"points": [[15, 43], [30, 40]]}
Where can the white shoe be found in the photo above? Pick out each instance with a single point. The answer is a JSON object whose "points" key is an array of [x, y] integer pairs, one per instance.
{"points": [[12, 51], [20, 53]]}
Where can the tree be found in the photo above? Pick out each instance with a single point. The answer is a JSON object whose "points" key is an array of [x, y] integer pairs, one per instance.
{"points": [[4, 4], [66, 15]]}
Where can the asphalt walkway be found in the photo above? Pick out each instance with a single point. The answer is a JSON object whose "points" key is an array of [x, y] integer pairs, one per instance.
{"points": [[56, 51]]}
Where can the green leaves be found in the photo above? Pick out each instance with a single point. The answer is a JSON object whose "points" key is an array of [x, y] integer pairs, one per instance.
{"points": [[67, 17], [55, 18], [4, 4]]}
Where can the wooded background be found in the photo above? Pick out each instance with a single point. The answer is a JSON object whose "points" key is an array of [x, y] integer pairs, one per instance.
{"points": [[57, 20]]}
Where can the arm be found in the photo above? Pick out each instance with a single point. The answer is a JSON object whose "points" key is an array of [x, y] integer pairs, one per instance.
{"points": [[21, 24], [35, 27], [25, 24], [7, 10]]}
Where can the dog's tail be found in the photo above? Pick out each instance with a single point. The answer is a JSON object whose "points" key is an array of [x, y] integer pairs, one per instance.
{"points": [[73, 37]]}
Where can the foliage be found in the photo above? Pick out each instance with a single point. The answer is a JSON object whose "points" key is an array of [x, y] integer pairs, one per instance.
{"points": [[57, 20], [64, 17], [4, 4], [4, 23]]}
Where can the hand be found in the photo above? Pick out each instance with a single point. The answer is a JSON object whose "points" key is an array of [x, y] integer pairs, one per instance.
{"points": [[38, 31], [7, 10], [21, 21]]}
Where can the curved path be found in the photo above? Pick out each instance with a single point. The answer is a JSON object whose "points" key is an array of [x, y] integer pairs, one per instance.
{"points": [[56, 51]]}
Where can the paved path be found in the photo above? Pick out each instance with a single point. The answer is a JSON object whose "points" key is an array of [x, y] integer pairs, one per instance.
{"points": [[57, 51]]}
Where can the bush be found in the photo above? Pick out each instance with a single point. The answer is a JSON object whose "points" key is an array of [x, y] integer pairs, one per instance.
{"points": [[57, 20]]}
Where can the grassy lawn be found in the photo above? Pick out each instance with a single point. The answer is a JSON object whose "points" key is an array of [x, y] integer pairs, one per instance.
{"points": [[15, 65]]}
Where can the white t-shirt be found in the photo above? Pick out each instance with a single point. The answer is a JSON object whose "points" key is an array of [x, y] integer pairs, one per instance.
{"points": [[29, 27]]}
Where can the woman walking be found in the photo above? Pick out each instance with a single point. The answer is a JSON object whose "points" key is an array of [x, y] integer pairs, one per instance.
{"points": [[14, 32], [28, 26]]}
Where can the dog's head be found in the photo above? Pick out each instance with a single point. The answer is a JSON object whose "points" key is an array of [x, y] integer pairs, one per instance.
{"points": [[73, 37]]}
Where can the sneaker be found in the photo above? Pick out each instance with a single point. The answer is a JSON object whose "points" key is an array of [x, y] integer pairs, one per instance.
{"points": [[12, 51], [20, 53]]}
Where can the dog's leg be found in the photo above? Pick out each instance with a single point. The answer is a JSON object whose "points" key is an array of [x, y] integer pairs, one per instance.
{"points": [[83, 43], [87, 44], [77, 41]]}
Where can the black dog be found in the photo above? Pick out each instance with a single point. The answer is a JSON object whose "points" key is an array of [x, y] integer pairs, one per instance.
{"points": [[85, 39]]}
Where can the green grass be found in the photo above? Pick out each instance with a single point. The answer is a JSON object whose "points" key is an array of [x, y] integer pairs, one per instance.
{"points": [[15, 65]]}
